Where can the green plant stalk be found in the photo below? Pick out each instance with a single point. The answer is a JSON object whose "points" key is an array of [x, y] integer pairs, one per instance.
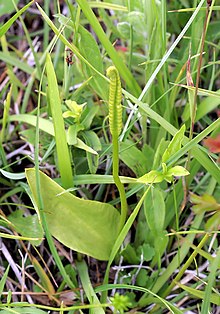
{"points": [[131, 39], [87, 286], [120, 186], [7, 103], [121, 238], [123, 70], [46, 26]]}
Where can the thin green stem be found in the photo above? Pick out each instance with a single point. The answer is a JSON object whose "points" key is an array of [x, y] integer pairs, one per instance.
{"points": [[117, 181]]}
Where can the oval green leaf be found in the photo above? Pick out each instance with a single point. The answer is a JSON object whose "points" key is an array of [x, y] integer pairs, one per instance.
{"points": [[88, 227]]}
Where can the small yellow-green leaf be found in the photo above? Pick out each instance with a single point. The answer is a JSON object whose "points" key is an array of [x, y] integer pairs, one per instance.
{"points": [[178, 171], [175, 144], [89, 227], [151, 177]]}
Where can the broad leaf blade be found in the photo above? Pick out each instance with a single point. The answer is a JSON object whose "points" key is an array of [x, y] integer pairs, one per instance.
{"points": [[90, 50], [85, 226]]}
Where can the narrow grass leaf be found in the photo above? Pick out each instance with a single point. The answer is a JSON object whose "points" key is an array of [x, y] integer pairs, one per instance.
{"points": [[87, 286], [45, 280], [108, 6], [12, 176], [3, 280], [59, 128], [7, 104], [8, 24], [213, 298]]}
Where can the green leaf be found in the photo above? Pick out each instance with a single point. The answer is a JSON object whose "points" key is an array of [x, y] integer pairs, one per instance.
{"points": [[3, 280], [154, 209], [92, 140], [89, 49], [130, 255], [59, 128], [83, 273], [8, 24], [213, 222], [153, 176], [72, 134], [203, 203], [7, 7], [80, 144], [12, 176], [175, 144], [85, 226], [160, 244], [136, 160], [134, 256], [137, 20], [178, 171], [28, 226], [124, 29], [88, 115], [214, 298], [159, 153], [147, 251]]}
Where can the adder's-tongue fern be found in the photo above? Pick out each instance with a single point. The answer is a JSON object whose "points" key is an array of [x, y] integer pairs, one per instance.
{"points": [[115, 96], [115, 124]]}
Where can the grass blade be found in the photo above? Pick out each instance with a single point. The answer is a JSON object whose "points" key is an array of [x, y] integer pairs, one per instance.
{"points": [[60, 134], [8, 24]]}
